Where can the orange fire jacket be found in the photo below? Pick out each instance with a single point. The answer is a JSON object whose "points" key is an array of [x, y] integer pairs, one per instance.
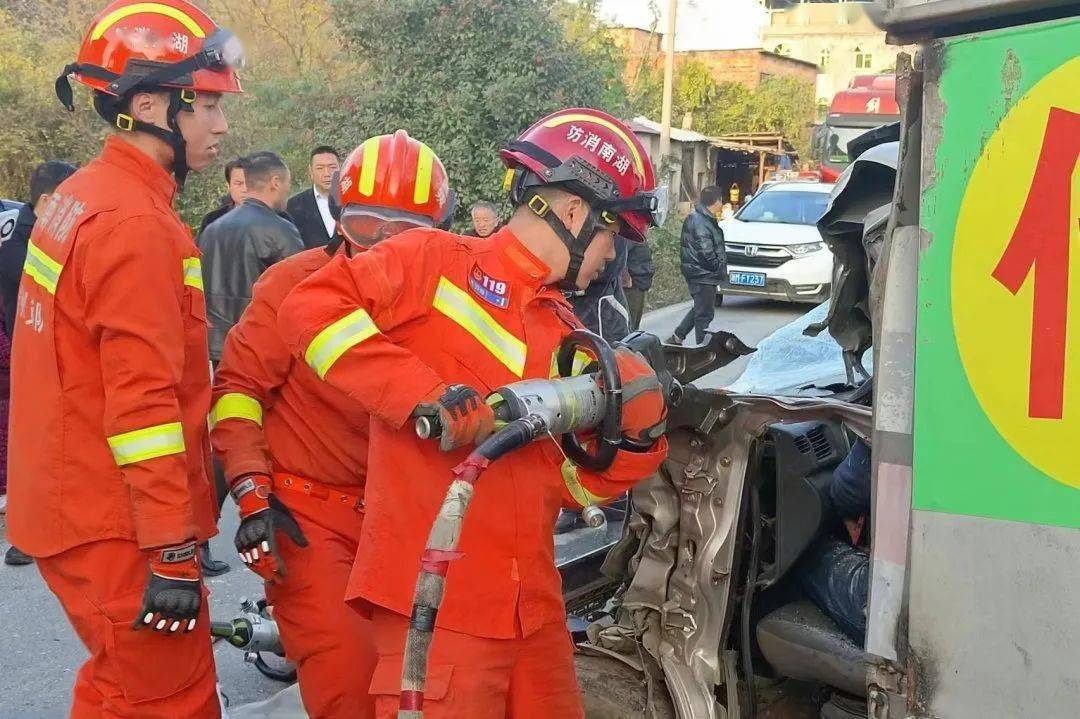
{"points": [[391, 327], [110, 377], [271, 411]]}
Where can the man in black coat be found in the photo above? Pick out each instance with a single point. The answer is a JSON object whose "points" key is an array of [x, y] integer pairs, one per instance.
{"points": [[240, 246], [235, 188], [314, 210], [704, 263]]}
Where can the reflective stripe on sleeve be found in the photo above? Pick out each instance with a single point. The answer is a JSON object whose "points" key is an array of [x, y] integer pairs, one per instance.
{"points": [[577, 490], [193, 273], [149, 443], [41, 268], [236, 406], [456, 304], [337, 339], [581, 361]]}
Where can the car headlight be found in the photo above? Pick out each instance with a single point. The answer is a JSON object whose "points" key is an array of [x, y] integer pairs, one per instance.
{"points": [[806, 248]]}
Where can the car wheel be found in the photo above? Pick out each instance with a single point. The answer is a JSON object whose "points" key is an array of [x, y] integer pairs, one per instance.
{"points": [[613, 690]]}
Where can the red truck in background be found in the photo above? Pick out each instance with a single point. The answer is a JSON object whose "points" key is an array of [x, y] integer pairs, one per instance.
{"points": [[870, 101]]}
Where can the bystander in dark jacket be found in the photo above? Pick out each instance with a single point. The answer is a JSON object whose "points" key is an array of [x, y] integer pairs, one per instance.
{"points": [[236, 187], [704, 260], [315, 211], [704, 263], [241, 245]]}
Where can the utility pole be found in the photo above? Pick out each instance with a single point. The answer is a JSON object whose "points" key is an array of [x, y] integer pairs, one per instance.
{"points": [[669, 81]]}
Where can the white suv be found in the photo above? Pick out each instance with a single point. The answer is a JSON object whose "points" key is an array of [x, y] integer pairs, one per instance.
{"points": [[773, 245]]}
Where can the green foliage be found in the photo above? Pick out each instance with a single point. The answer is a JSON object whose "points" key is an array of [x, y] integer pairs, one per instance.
{"points": [[778, 104], [783, 104], [34, 127], [464, 76], [467, 76], [668, 286]]}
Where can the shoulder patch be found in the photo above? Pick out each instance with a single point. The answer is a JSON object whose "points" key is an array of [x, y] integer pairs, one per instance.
{"points": [[494, 292]]}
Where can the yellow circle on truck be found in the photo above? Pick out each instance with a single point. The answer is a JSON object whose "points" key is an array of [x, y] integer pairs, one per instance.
{"points": [[1016, 277]]}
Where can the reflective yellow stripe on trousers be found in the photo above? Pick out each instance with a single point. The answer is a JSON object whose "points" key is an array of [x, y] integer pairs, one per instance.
{"points": [[41, 268], [236, 406], [456, 304], [337, 339], [148, 443]]}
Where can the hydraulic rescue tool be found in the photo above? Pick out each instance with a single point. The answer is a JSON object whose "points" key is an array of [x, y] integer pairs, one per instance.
{"points": [[524, 411], [255, 633]]}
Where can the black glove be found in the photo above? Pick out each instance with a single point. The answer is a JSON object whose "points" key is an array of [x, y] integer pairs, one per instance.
{"points": [[464, 416], [174, 594], [256, 539]]}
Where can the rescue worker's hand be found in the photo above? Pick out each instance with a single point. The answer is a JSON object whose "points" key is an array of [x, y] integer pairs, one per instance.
{"points": [[464, 416], [644, 414], [174, 594], [262, 515]]}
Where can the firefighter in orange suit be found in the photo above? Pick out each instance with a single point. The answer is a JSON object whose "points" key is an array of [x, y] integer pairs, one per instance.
{"points": [[109, 451], [295, 449], [431, 318]]}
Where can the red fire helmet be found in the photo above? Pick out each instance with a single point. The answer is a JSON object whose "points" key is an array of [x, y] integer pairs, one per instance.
{"points": [[595, 156], [391, 183], [170, 43]]}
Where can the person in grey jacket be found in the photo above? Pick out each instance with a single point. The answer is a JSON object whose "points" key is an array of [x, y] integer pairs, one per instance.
{"points": [[242, 244], [704, 263]]}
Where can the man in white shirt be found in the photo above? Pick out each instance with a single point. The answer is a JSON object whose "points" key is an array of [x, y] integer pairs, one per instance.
{"points": [[312, 210]]}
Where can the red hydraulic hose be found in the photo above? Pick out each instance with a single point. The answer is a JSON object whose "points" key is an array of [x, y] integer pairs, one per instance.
{"points": [[442, 549]]}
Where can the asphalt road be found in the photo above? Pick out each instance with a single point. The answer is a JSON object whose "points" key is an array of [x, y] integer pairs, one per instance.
{"points": [[39, 653]]}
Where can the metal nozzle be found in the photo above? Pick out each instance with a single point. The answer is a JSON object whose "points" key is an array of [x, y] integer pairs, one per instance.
{"points": [[425, 428], [593, 516]]}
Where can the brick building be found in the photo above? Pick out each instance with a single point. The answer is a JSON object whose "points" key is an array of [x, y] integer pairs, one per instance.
{"points": [[747, 66], [750, 66]]}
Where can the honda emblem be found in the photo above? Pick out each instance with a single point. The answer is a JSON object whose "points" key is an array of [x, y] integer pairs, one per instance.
{"points": [[750, 250]]}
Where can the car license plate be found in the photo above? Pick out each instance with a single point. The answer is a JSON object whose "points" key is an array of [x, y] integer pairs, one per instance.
{"points": [[750, 279]]}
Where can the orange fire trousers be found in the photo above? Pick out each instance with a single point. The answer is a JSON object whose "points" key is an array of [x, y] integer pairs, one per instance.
{"points": [[331, 645], [523, 678], [130, 674]]}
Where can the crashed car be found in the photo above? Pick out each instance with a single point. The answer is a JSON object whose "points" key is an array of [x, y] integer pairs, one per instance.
{"points": [[704, 619]]}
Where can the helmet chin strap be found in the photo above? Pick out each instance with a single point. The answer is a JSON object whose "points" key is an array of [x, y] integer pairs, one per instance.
{"points": [[179, 101], [177, 104], [575, 244]]}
